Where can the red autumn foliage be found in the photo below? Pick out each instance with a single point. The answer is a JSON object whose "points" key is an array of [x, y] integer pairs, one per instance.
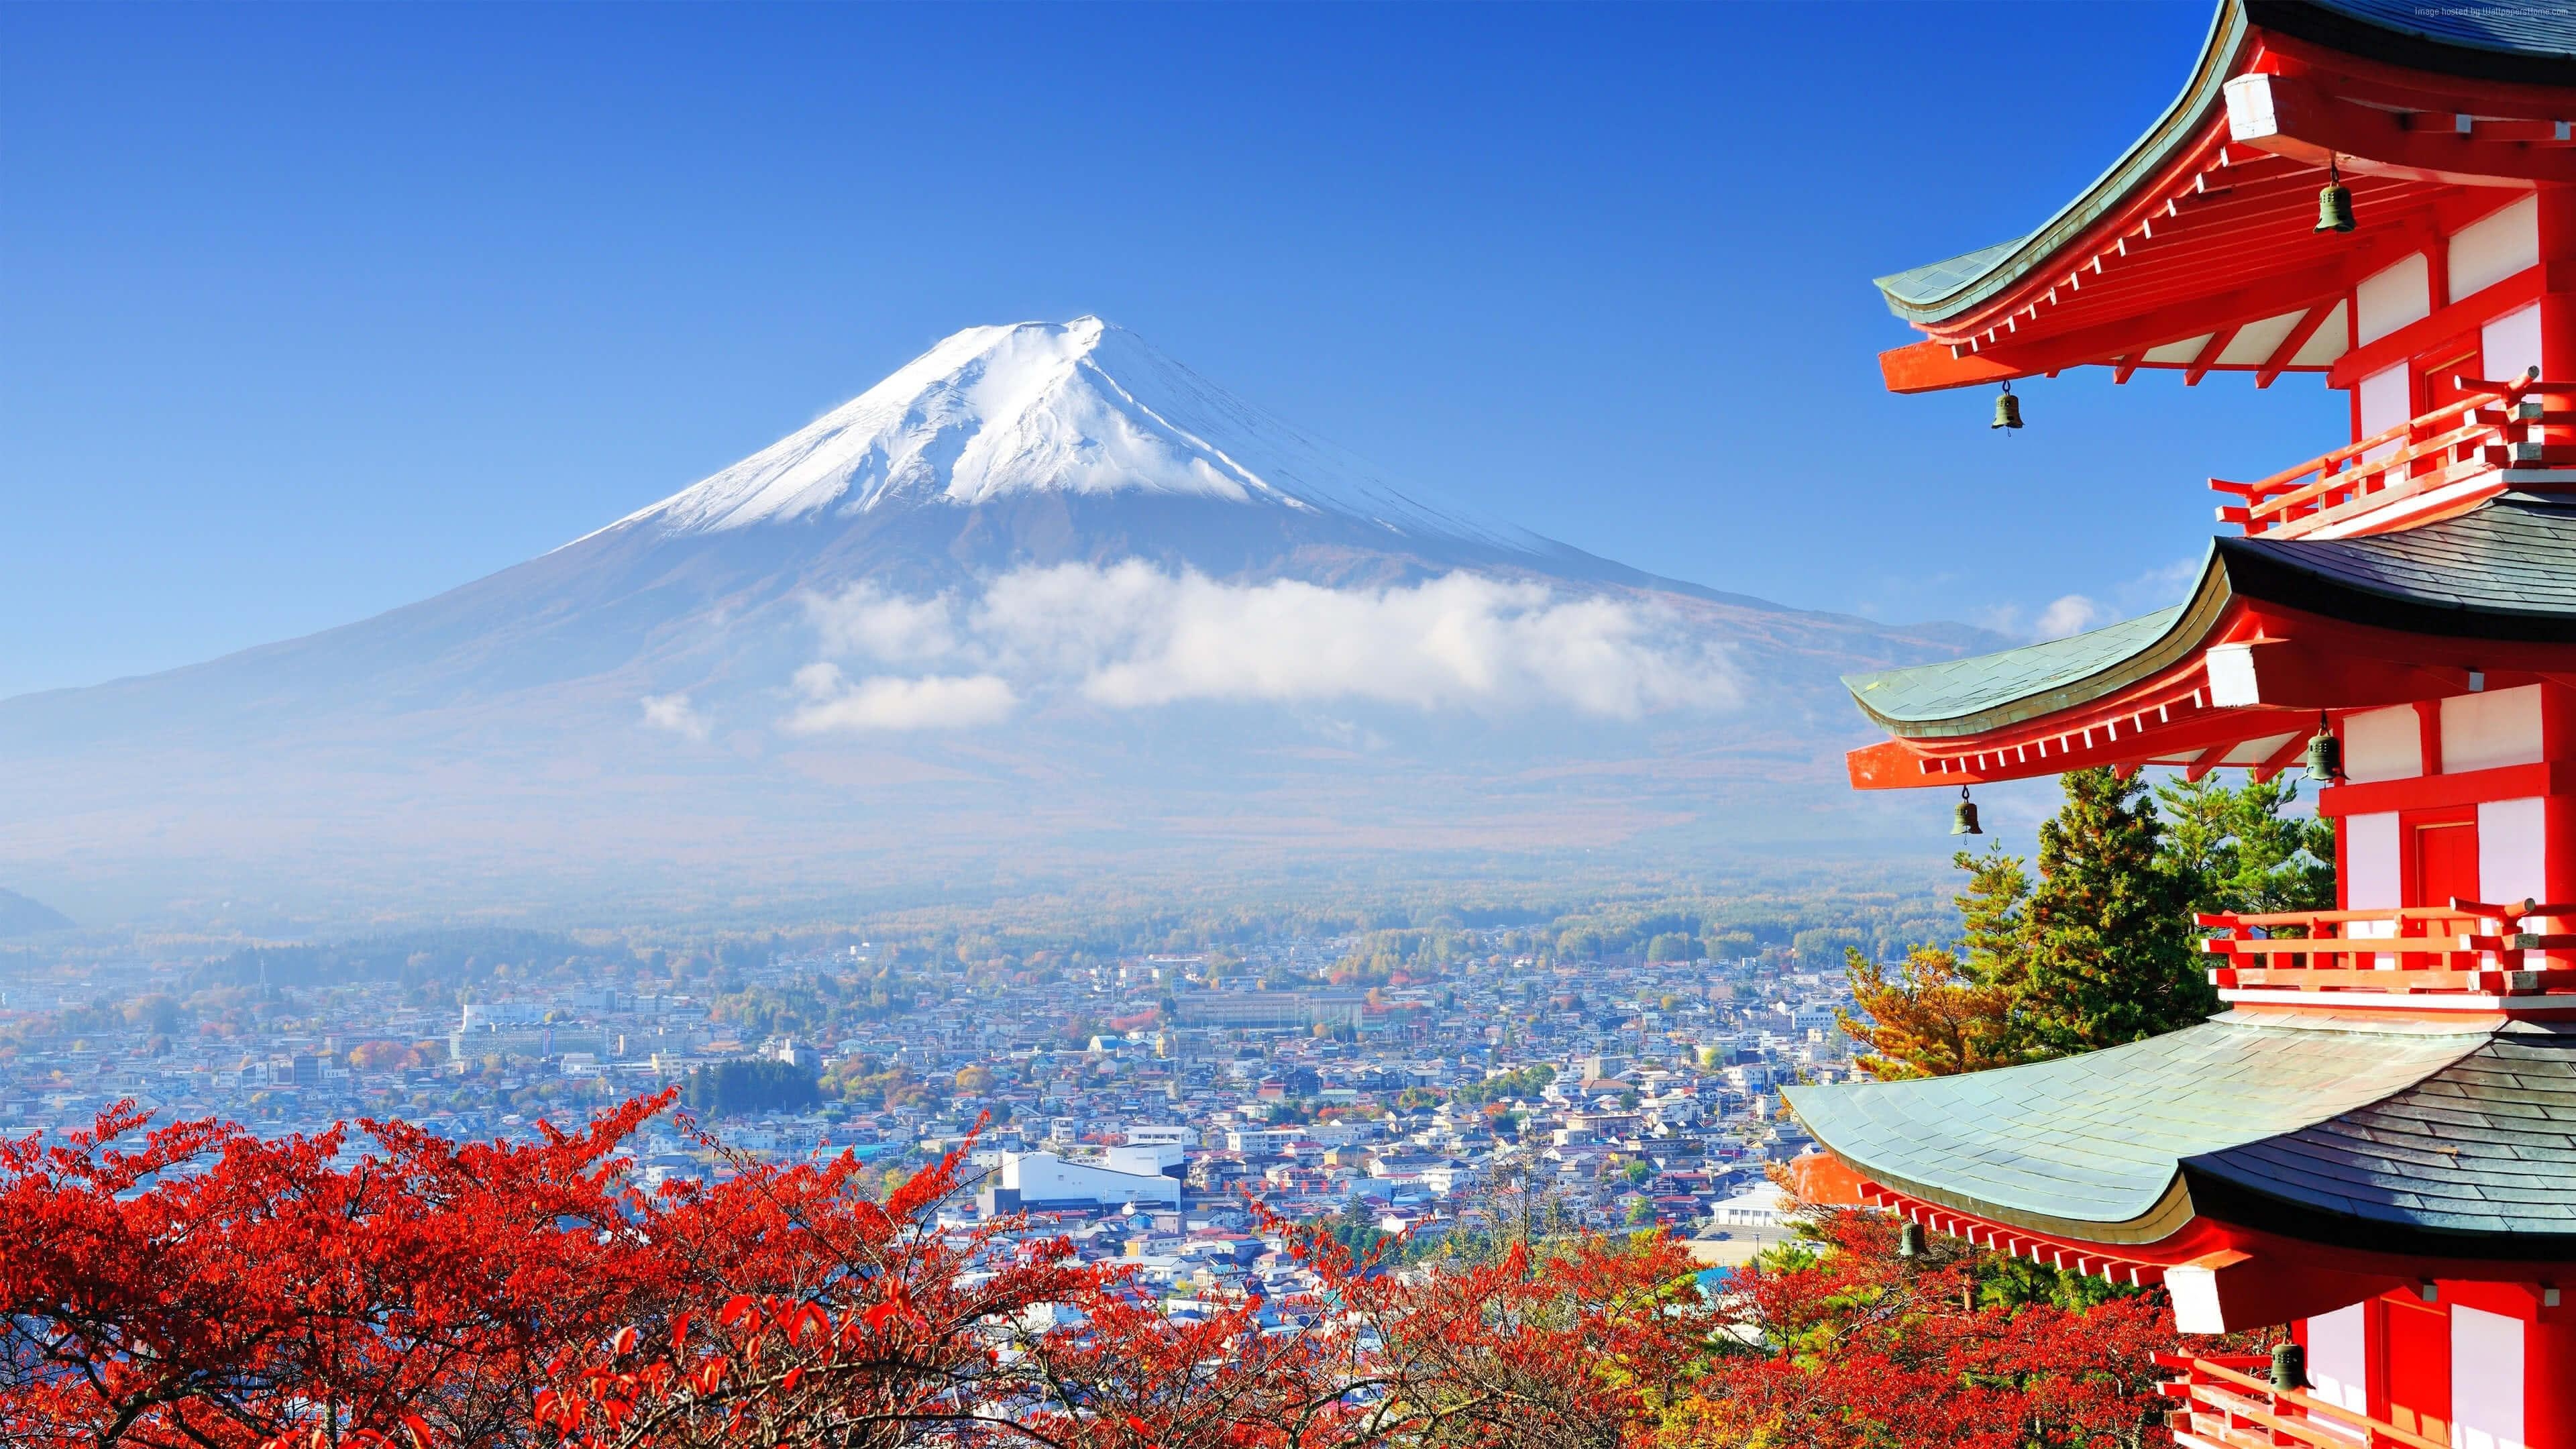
{"points": [[197, 1288], [1856, 1346]]}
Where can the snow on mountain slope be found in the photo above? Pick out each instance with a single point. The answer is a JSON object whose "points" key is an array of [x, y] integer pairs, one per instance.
{"points": [[1042, 596], [1082, 407]]}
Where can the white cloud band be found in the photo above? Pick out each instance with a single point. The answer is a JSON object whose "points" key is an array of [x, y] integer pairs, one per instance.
{"points": [[1131, 636], [832, 703]]}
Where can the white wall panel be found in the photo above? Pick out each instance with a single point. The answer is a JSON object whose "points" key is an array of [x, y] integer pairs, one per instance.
{"points": [[2385, 402], [2495, 247], [2391, 298], [2371, 875], [2483, 731], [2486, 1379], [2510, 344], [2383, 744], [2513, 849], [2338, 1359]]}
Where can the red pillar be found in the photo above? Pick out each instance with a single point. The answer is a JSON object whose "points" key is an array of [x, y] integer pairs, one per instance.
{"points": [[2558, 281], [2549, 1379]]}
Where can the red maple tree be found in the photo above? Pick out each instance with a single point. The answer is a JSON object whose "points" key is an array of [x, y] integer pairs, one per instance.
{"points": [[195, 1287], [1850, 1344]]}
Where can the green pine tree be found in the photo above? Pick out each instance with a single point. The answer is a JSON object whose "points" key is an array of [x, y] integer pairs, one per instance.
{"points": [[1994, 911], [2100, 949], [2244, 849], [2112, 951]]}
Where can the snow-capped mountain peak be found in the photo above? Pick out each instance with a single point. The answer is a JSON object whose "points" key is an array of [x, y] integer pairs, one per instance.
{"points": [[1082, 407]]}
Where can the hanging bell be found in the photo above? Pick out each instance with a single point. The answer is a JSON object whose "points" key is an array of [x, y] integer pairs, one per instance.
{"points": [[2007, 409], [2325, 755], [2334, 208], [2289, 1367], [1909, 1240], [1963, 816], [2334, 203]]}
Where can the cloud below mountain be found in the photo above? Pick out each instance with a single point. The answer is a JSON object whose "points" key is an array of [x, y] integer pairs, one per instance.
{"points": [[1132, 636], [832, 702]]}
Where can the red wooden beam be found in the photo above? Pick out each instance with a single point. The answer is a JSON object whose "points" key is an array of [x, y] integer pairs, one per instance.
{"points": [[2281, 759], [1930, 367], [2209, 351], [1898, 764], [2206, 761], [2306, 327]]}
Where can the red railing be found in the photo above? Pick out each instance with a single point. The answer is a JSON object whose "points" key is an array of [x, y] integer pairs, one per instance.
{"points": [[2494, 425], [2478, 946], [2226, 1402]]}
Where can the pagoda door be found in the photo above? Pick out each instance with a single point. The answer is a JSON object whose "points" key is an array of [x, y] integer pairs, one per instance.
{"points": [[2446, 862], [2415, 1376], [2440, 384], [2448, 364]]}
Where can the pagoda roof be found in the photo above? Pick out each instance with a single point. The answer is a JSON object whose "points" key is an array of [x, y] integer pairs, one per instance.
{"points": [[2185, 215], [2499, 571], [2528, 41], [2398, 1136]]}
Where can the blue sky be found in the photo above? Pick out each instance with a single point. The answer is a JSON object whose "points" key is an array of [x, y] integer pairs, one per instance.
{"points": [[307, 312]]}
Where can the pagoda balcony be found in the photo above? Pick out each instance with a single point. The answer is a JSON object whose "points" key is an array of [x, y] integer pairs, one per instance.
{"points": [[2466, 948], [2229, 1404], [2496, 435]]}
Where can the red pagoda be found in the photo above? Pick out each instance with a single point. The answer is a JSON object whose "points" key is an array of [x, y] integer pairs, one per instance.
{"points": [[2375, 1142]]}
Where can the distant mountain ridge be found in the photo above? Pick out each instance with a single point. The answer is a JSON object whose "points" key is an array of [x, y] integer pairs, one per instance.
{"points": [[1040, 569], [20, 916]]}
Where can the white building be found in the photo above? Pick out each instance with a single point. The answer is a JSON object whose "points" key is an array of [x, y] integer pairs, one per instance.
{"points": [[1761, 1206], [1142, 1157], [1043, 1180]]}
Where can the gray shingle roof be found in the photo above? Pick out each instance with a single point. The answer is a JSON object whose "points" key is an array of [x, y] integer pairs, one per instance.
{"points": [[2485, 1145], [2537, 30], [2094, 1146], [2505, 570]]}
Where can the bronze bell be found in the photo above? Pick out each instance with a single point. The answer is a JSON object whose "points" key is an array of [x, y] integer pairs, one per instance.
{"points": [[1963, 816], [2334, 208], [2334, 203], [2325, 755], [1909, 1240], [2289, 1367], [2007, 409]]}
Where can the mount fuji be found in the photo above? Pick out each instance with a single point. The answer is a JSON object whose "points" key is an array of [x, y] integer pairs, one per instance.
{"points": [[1044, 600]]}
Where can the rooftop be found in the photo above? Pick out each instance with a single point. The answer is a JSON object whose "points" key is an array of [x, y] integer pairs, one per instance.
{"points": [[2450, 1140]]}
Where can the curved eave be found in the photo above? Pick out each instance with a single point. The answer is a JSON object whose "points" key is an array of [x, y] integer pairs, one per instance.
{"points": [[1928, 296], [2298, 1127], [2510, 42], [2163, 1220], [2180, 642], [2500, 573]]}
